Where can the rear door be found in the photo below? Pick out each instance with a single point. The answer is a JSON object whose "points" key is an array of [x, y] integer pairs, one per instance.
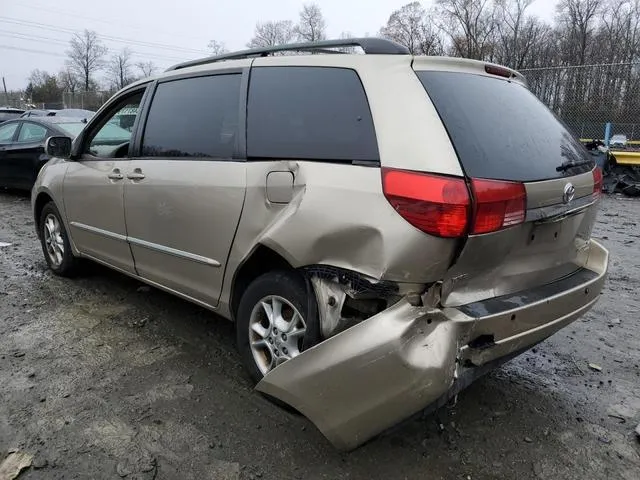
{"points": [[185, 190], [506, 139]]}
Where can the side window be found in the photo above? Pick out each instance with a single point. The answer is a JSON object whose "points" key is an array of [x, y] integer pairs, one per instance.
{"points": [[31, 133], [111, 137], [309, 113], [7, 131], [193, 117]]}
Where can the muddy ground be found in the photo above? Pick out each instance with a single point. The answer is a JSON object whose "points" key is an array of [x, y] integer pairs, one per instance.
{"points": [[101, 378]]}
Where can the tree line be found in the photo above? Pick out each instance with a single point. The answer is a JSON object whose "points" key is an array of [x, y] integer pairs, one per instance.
{"points": [[86, 57], [554, 56]]}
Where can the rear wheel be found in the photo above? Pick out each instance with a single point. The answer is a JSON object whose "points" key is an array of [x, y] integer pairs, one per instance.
{"points": [[55, 242], [275, 322]]}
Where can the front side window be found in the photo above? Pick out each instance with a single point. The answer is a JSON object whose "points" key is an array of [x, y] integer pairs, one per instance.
{"points": [[193, 117], [7, 132], [31, 133], [309, 113], [110, 139]]}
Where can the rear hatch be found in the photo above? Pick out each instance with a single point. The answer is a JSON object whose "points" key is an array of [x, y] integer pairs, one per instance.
{"points": [[533, 187]]}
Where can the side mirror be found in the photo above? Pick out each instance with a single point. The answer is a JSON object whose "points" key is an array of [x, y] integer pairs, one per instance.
{"points": [[58, 147]]}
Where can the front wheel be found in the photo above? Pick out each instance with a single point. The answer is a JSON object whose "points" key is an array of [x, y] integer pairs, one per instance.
{"points": [[55, 242], [275, 322]]}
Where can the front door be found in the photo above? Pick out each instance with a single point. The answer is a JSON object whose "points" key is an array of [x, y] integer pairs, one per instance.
{"points": [[94, 187], [184, 194], [8, 133]]}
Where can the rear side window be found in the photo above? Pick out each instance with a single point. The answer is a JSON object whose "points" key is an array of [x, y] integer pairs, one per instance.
{"points": [[193, 117], [30, 132], [309, 113], [500, 130]]}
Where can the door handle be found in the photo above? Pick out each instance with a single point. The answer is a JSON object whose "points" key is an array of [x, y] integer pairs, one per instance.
{"points": [[115, 174], [136, 174]]}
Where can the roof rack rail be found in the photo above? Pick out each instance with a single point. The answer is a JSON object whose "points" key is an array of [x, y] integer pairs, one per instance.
{"points": [[371, 46]]}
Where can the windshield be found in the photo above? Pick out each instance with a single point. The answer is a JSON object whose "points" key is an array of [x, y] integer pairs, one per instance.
{"points": [[72, 129]]}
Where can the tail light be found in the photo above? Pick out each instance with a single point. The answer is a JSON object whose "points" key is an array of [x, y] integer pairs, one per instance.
{"points": [[597, 182], [442, 206], [436, 205], [497, 204]]}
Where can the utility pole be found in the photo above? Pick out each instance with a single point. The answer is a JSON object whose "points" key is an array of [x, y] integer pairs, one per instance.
{"points": [[6, 95]]}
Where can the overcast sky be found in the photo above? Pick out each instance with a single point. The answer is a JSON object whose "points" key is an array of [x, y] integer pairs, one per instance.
{"points": [[35, 33]]}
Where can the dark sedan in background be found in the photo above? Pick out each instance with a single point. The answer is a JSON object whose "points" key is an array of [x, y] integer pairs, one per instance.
{"points": [[22, 145]]}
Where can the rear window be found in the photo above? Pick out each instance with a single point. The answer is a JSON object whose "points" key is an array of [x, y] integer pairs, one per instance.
{"points": [[309, 113], [500, 130]]}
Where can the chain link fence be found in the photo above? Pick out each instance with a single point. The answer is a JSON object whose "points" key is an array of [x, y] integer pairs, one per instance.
{"points": [[85, 100], [594, 101]]}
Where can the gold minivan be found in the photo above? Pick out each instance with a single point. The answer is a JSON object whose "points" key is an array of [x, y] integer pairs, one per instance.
{"points": [[382, 228]]}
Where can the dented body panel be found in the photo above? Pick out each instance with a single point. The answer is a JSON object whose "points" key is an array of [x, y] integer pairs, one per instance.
{"points": [[366, 379]]}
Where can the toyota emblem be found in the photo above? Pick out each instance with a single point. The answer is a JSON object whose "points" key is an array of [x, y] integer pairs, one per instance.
{"points": [[569, 193]]}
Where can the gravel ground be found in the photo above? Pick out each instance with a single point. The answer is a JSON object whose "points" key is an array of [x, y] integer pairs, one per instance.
{"points": [[104, 378]]}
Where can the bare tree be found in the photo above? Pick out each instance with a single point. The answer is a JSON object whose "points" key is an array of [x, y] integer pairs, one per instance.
{"points": [[410, 27], [470, 25], [68, 80], [579, 19], [311, 26], [518, 32], [86, 54], [272, 33], [119, 69], [217, 48], [146, 68]]}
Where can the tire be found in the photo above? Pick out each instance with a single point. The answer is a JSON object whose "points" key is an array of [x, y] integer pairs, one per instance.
{"points": [[290, 289], [57, 249]]}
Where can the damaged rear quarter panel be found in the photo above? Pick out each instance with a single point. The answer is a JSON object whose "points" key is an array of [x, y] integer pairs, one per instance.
{"points": [[338, 216]]}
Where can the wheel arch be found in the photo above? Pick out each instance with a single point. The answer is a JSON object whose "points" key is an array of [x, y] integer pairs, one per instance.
{"points": [[38, 205], [261, 260]]}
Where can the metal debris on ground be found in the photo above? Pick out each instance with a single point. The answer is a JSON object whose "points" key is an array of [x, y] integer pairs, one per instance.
{"points": [[624, 179], [4, 244], [595, 367]]}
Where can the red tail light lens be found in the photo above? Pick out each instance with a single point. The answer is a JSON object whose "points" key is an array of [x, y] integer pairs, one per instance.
{"points": [[434, 204], [497, 204], [597, 182]]}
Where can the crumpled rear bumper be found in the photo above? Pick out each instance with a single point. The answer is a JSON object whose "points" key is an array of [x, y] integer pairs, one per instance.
{"points": [[368, 378]]}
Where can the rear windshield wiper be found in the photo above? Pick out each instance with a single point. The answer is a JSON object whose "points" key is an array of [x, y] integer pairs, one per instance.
{"points": [[566, 166]]}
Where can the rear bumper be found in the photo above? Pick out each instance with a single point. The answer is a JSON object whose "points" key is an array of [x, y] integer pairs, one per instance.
{"points": [[368, 378]]}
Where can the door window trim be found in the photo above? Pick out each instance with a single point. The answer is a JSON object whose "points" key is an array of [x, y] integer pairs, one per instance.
{"points": [[240, 149]]}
